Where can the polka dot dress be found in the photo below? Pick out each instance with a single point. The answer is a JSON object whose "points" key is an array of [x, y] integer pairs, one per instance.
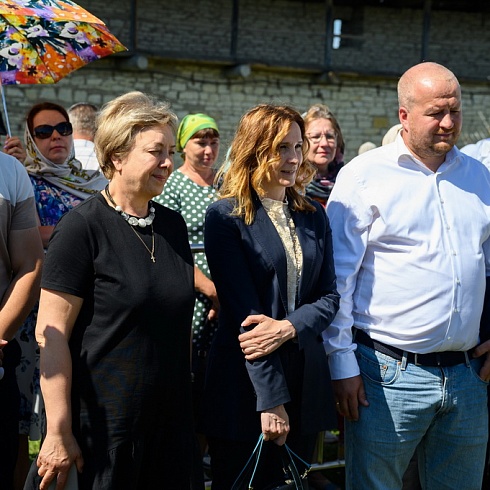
{"points": [[191, 201]]}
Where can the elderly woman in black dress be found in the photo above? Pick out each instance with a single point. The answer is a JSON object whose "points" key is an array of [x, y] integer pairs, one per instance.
{"points": [[115, 318]]}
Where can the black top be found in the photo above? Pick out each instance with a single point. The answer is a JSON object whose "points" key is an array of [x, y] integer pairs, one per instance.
{"points": [[130, 343]]}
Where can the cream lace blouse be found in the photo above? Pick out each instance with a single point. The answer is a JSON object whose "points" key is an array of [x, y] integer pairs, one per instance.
{"points": [[280, 216]]}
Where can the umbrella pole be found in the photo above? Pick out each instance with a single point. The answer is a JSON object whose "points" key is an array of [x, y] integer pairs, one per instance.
{"points": [[5, 110]]}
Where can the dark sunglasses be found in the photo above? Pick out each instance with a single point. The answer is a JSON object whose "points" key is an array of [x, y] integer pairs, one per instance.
{"points": [[45, 131]]}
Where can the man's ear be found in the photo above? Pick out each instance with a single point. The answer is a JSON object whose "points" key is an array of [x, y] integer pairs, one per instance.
{"points": [[403, 116]]}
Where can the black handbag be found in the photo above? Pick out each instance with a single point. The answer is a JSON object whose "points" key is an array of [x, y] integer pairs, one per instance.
{"points": [[293, 480]]}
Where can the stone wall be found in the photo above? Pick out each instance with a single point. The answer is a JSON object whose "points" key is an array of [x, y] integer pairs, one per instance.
{"points": [[364, 100], [292, 33]]}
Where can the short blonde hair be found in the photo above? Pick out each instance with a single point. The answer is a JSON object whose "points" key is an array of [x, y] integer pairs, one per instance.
{"points": [[121, 119], [253, 150]]}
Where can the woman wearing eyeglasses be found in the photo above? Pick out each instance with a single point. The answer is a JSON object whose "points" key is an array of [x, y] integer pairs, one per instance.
{"points": [[58, 179], [326, 150]]}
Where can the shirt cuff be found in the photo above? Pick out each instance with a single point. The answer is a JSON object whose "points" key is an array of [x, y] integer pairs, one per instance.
{"points": [[343, 365]]}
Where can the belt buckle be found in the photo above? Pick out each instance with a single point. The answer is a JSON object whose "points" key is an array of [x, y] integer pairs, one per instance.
{"points": [[416, 359]]}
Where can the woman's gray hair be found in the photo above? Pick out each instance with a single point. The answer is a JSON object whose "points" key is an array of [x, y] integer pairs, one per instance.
{"points": [[121, 119]]}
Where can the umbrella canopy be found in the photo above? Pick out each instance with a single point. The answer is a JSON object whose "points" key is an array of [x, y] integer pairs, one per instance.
{"points": [[42, 41]]}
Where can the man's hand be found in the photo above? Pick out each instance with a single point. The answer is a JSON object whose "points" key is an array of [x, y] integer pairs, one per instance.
{"points": [[480, 350], [349, 393], [275, 424], [265, 337]]}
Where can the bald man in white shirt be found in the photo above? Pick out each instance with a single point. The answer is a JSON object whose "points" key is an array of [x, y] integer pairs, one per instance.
{"points": [[411, 234]]}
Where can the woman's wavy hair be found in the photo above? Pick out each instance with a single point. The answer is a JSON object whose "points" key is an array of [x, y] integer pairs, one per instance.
{"points": [[321, 111], [253, 151], [121, 119]]}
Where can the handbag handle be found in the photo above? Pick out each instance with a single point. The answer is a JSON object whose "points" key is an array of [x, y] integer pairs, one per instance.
{"points": [[293, 454], [288, 463], [287, 455], [255, 454]]}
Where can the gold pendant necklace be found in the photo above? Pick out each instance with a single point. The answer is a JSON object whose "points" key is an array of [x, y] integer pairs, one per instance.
{"points": [[152, 251]]}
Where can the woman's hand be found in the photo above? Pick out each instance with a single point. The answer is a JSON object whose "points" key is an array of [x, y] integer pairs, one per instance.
{"points": [[265, 337], [206, 287], [275, 424], [58, 453], [13, 146]]}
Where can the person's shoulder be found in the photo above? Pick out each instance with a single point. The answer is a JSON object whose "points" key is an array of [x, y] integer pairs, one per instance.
{"points": [[368, 165], [476, 164], [166, 212], [15, 184], [223, 206], [89, 213], [175, 183], [317, 216], [175, 176], [10, 166], [378, 154], [317, 205], [93, 201], [82, 143], [167, 219]]}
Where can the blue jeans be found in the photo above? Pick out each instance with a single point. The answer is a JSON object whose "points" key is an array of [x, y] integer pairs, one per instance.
{"points": [[440, 411]]}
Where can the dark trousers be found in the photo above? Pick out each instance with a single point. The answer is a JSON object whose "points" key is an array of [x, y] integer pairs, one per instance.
{"points": [[9, 415]]}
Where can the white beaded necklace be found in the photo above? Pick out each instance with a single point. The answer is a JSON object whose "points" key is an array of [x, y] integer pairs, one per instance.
{"points": [[135, 221], [132, 220]]}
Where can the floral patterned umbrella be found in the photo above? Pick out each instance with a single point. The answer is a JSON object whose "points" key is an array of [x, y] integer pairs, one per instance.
{"points": [[42, 41]]}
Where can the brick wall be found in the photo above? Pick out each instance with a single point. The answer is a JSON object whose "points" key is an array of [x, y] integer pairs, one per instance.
{"points": [[364, 100]]}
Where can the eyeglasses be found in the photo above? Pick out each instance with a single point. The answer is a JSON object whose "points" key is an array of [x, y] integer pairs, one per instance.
{"points": [[317, 137], [45, 130]]}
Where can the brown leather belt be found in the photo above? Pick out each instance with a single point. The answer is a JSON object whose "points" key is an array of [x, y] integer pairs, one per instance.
{"points": [[434, 359]]}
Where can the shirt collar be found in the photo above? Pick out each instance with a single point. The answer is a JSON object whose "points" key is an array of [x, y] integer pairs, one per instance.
{"points": [[404, 155]]}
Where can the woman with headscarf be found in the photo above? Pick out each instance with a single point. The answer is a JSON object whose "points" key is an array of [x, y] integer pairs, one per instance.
{"points": [[189, 191], [115, 318], [59, 184], [59, 181]]}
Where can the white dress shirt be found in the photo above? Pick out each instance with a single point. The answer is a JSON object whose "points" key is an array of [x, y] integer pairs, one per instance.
{"points": [[85, 154], [479, 150], [411, 250]]}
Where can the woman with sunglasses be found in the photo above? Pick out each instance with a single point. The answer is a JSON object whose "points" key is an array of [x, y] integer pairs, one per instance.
{"points": [[58, 179], [59, 185]]}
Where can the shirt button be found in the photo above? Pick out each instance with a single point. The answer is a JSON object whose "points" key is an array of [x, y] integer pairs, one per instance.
{"points": [[455, 310], [458, 281]]}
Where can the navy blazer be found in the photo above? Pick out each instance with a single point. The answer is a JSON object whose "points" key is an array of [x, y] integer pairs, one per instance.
{"points": [[248, 266]]}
